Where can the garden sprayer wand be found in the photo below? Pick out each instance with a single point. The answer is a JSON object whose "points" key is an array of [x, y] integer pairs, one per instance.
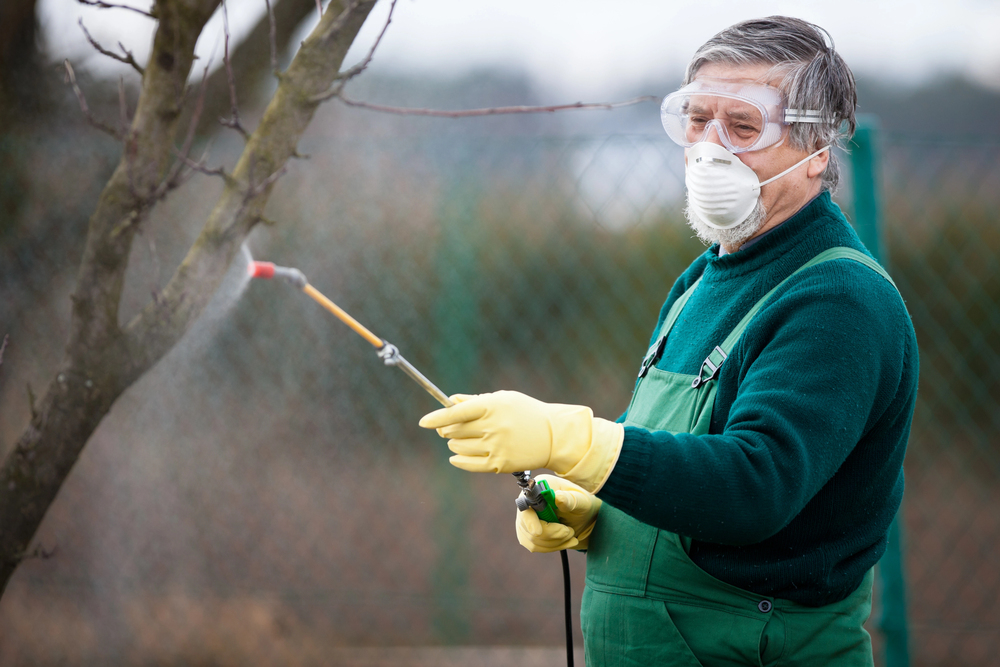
{"points": [[388, 352], [536, 495]]}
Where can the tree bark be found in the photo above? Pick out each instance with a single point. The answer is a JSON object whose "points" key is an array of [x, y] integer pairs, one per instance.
{"points": [[18, 53], [102, 358]]}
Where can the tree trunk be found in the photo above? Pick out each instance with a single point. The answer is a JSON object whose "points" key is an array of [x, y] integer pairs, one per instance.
{"points": [[18, 55], [103, 359]]}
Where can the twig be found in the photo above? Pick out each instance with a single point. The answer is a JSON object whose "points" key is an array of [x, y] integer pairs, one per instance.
{"points": [[349, 74], [493, 111], [234, 121], [201, 168], [110, 5], [255, 190], [273, 37], [128, 59], [177, 177], [71, 78], [360, 67], [3, 346], [38, 552]]}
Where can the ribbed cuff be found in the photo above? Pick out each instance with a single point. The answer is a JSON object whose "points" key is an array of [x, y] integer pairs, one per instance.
{"points": [[629, 473]]}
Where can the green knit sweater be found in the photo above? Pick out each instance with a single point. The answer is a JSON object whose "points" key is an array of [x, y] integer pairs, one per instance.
{"points": [[792, 491]]}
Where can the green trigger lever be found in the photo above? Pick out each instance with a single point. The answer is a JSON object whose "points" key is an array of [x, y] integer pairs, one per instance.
{"points": [[536, 495]]}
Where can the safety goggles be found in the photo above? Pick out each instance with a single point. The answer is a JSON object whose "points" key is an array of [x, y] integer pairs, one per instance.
{"points": [[745, 116]]}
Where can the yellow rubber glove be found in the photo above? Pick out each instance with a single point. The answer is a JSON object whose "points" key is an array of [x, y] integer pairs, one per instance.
{"points": [[576, 509], [507, 431]]}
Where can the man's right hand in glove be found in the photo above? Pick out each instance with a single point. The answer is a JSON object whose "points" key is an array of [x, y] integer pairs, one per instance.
{"points": [[576, 509]]}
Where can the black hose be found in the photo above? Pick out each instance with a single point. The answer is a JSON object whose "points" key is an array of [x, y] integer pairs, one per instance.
{"points": [[569, 608]]}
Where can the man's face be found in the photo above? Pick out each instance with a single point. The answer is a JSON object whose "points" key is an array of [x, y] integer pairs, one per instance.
{"points": [[788, 194]]}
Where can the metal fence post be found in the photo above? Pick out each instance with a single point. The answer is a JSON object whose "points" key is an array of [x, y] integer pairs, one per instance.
{"points": [[867, 222], [455, 361]]}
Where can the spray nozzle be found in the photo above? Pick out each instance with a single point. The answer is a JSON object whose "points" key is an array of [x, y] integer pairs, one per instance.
{"points": [[270, 270]]}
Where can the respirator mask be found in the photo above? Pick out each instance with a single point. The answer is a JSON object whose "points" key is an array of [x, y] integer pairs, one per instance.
{"points": [[722, 190]]}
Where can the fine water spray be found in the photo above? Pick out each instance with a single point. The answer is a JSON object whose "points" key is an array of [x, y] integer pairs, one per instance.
{"points": [[536, 495]]}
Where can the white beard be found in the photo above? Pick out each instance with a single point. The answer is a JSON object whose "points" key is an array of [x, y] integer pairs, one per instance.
{"points": [[733, 237]]}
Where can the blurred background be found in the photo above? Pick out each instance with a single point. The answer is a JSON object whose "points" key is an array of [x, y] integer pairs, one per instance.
{"points": [[264, 496]]}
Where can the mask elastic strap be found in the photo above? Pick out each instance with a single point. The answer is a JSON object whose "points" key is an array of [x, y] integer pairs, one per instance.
{"points": [[794, 166]]}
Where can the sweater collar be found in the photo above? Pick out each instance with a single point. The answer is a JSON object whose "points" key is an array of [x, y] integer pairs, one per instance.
{"points": [[773, 244]]}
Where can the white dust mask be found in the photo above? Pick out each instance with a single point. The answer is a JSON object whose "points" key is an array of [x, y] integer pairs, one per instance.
{"points": [[721, 190]]}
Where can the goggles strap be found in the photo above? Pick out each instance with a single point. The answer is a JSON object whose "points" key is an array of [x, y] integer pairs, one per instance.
{"points": [[794, 166], [804, 116]]}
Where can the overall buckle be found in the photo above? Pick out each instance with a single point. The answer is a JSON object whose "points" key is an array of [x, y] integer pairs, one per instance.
{"points": [[712, 364], [653, 355]]}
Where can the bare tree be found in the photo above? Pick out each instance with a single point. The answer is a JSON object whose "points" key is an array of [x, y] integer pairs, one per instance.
{"points": [[103, 358]]}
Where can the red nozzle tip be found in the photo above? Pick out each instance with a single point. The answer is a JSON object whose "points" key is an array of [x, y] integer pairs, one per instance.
{"points": [[260, 269]]}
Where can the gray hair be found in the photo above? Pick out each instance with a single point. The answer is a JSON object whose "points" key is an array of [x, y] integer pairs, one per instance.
{"points": [[813, 76]]}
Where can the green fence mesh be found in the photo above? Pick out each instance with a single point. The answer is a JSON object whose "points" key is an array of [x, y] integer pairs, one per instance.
{"points": [[264, 495]]}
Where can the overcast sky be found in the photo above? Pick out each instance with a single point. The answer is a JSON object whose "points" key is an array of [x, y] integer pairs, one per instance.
{"points": [[593, 48]]}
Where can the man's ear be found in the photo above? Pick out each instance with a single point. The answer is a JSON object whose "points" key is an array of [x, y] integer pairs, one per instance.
{"points": [[817, 165]]}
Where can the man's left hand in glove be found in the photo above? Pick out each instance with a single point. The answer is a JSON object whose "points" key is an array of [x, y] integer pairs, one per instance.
{"points": [[507, 431], [577, 511]]}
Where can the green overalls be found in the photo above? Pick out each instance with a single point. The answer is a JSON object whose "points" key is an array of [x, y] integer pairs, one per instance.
{"points": [[646, 603]]}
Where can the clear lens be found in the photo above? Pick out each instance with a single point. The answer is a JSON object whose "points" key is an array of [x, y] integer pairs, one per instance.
{"points": [[739, 119]]}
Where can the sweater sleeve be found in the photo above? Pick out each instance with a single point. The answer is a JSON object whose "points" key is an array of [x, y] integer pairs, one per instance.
{"points": [[813, 373]]}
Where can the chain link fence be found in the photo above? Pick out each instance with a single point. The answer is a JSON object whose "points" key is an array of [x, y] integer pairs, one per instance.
{"points": [[264, 495], [942, 203]]}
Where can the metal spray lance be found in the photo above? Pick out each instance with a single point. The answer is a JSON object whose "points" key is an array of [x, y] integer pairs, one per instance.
{"points": [[536, 495]]}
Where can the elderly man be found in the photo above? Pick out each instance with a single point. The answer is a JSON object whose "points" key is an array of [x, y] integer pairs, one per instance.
{"points": [[733, 514]]}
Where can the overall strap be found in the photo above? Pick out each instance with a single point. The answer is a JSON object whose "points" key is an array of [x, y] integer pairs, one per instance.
{"points": [[656, 349], [710, 367]]}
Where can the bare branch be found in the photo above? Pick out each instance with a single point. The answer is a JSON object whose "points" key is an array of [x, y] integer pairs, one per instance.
{"points": [[71, 79], [257, 189], [200, 167], [272, 36], [177, 177], [3, 347], [128, 59], [110, 5], [349, 74], [39, 552], [493, 111], [252, 60], [234, 120], [198, 107], [312, 71]]}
